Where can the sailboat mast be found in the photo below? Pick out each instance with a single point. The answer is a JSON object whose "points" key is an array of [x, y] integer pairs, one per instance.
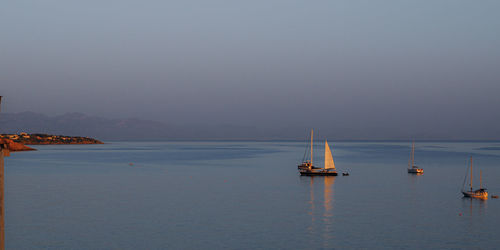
{"points": [[471, 173], [312, 132], [413, 154], [409, 159]]}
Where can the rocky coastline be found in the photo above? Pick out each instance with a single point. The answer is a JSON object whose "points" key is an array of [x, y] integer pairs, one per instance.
{"points": [[14, 146], [46, 139]]}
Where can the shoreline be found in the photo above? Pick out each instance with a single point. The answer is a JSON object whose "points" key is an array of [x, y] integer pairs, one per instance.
{"points": [[18, 141]]}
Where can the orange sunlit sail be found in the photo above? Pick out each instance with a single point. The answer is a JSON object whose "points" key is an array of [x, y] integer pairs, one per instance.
{"points": [[329, 164]]}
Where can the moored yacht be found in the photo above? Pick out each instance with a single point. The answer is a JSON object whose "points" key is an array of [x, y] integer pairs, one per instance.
{"points": [[307, 168], [478, 193], [412, 169]]}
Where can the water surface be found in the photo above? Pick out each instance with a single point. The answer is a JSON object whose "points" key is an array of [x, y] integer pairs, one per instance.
{"points": [[247, 195]]}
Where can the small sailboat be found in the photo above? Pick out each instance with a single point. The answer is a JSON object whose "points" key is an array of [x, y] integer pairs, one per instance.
{"points": [[412, 169], [478, 193], [307, 168]]}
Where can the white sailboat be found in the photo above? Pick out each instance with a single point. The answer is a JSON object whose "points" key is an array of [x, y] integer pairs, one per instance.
{"points": [[307, 168], [412, 169], [478, 193]]}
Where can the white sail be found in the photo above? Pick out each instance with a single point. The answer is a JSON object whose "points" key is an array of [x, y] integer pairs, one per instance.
{"points": [[328, 157]]}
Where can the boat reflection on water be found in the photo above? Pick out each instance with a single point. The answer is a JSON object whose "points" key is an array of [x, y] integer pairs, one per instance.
{"points": [[474, 206], [415, 187], [321, 207], [414, 179]]}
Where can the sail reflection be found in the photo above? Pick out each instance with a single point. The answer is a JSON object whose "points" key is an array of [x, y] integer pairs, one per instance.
{"points": [[474, 206], [328, 194], [328, 212], [321, 210]]}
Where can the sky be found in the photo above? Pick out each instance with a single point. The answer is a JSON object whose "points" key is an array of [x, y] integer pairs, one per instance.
{"points": [[418, 65]]}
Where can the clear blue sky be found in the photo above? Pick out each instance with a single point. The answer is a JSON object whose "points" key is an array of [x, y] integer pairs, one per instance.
{"points": [[266, 63]]}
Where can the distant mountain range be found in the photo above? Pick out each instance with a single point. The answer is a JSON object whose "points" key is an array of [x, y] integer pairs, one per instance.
{"points": [[75, 124], [78, 124]]}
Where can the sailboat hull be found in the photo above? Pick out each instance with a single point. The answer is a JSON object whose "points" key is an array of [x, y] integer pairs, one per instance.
{"points": [[479, 194], [415, 171], [318, 172]]}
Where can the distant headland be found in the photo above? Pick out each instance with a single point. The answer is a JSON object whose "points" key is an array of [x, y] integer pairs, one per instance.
{"points": [[46, 139]]}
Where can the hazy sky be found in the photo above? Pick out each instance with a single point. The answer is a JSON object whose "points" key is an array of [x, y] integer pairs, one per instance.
{"points": [[269, 63]]}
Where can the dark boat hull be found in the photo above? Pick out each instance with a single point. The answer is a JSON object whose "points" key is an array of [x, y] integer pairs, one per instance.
{"points": [[479, 194], [415, 171], [318, 173]]}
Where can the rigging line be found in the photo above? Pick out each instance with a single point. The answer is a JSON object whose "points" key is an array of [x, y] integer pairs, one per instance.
{"points": [[319, 139], [466, 173], [409, 160], [305, 152]]}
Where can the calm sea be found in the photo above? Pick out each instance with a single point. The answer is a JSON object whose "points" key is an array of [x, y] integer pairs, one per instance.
{"points": [[248, 195]]}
